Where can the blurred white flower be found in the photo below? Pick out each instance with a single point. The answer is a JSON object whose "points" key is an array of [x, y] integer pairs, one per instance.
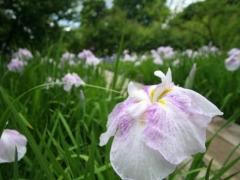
{"points": [[232, 63], [10, 142], [89, 57], [23, 54], [191, 53], [70, 80], [156, 57], [208, 49], [68, 58], [233, 51], [10, 14], [16, 65], [85, 54], [129, 57], [166, 52]]}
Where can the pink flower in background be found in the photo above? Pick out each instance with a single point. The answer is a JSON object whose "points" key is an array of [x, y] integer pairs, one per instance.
{"points": [[70, 80], [129, 57], [190, 53], [10, 141], [16, 65], [232, 63], [233, 52], [166, 52], [85, 54], [68, 58], [156, 128], [89, 57], [208, 49], [23, 54], [93, 61], [156, 58]]}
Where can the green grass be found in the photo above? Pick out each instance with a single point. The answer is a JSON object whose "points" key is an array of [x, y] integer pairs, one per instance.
{"points": [[63, 128]]}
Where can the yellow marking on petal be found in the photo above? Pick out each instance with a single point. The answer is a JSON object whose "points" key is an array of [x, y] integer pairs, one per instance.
{"points": [[160, 99], [165, 92], [162, 102], [151, 93]]}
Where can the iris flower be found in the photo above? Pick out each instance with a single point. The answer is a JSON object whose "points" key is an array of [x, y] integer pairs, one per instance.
{"points": [[70, 80], [16, 65], [68, 57], [166, 52], [156, 128], [232, 63], [23, 54], [89, 58], [10, 141]]}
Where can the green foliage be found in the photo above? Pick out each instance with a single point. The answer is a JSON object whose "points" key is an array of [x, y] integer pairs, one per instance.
{"points": [[143, 11], [92, 12], [215, 21], [102, 31], [32, 23]]}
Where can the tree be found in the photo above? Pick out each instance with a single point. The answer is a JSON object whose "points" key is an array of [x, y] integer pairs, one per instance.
{"points": [[144, 11], [92, 12], [32, 22], [215, 21]]}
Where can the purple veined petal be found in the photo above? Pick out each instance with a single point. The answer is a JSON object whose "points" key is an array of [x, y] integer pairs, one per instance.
{"points": [[180, 100], [133, 160], [9, 142], [234, 51], [199, 104], [233, 63], [117, 118], [155, 118], [181, 130], [177, 138]]}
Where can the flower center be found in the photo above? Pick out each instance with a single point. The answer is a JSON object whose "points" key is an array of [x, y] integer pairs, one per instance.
{"points": [[160, 99]]}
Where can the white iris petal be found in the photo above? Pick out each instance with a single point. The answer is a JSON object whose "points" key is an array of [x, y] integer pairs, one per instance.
{"points": [[11, 141]]}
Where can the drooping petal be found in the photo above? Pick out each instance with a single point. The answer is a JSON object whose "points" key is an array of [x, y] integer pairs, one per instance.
{"points": [[177, 138], [182, 131], [133, 160], [118, 114], [159, 74], [200, 104], [11, 141]]}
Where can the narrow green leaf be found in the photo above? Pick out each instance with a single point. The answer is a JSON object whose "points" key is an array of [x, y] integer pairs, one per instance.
{"points": [[208, 170]]}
